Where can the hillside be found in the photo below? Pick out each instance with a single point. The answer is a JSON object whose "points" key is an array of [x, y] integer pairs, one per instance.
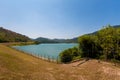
{"points": [[10, 36], [16, 65]]}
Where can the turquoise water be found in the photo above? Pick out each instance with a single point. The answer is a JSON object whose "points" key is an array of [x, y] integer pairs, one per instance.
{"points": [[46, 50]]}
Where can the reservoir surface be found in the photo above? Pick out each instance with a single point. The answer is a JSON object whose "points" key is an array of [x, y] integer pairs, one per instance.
{"points": [[46, 50]]}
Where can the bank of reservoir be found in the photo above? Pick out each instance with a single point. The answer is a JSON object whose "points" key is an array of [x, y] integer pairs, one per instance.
{"points": [[46, 50]]}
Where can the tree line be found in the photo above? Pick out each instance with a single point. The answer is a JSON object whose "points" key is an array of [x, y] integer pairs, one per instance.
{"points": [[104, 44]]}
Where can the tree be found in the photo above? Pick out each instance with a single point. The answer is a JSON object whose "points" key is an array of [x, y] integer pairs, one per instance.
{"points": [[108, 38], [88, 46]]}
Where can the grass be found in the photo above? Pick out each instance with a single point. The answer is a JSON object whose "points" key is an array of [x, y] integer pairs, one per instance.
{"points": [[15, 65]]}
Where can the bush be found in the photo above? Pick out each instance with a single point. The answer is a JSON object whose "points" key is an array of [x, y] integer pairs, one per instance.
{"points": [[65, 56], [69, 55], [90, 48]]}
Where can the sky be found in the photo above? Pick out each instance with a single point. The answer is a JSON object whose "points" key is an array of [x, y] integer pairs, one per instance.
{"points": [[58, 18]]}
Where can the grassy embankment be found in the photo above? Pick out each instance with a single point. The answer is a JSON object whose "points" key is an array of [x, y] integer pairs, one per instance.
{"points": [[15, 65]]}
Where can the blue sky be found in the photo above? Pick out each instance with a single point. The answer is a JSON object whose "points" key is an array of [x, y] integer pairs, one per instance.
{"points": [[58, 18]]}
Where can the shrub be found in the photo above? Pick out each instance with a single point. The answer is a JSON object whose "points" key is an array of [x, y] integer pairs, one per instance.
{"points": [[69, 55], [65, 56]]}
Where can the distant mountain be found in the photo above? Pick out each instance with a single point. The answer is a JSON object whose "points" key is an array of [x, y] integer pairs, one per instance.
{"points": [[73, 40], [47, 40], [116, 26], [10, 36]]}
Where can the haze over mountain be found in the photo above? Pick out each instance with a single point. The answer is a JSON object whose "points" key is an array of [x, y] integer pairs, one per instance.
{"points": [[73, 40], [58, 18], [47, 40], [10, 36]]}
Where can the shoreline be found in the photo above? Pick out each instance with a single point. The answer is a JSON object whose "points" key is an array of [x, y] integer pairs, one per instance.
{"points": [[36, 55], [48, 59], [16, 65]]}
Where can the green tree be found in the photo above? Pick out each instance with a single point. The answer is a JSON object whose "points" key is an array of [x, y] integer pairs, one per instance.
{"points": [[88, 46], [66, 56], [69, 55], [108, 38]]}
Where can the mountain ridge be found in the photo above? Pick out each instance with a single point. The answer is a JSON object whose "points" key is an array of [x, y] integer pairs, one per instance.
{"points": [[11, 36], [73, 40], [47, 40]]}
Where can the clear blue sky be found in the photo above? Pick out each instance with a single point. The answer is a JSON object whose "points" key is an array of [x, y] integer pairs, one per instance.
{"points": [[58, 18]]}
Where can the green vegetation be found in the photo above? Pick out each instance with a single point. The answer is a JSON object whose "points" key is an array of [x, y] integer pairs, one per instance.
{"points": [[89, 47], [109, 40], [15, 65], [69, 55], [10, 36], [103, 44]]}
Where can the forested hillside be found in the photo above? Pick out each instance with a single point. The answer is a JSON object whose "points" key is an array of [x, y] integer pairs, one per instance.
{"points": [[103, 44], [10, 36]]}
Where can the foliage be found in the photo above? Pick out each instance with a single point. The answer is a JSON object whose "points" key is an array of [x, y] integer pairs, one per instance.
{"points": [[88, 46], [69, 55], [104, 44], [110, 42]]}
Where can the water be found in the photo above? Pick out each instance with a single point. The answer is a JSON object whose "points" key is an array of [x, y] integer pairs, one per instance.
{"points": [[46, 50]]}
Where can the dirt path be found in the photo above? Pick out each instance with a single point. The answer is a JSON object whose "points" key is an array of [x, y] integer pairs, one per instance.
{"points": [[15, 65]]}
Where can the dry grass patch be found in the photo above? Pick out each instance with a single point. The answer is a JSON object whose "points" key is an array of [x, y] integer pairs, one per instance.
{"points": [[15, 65]]}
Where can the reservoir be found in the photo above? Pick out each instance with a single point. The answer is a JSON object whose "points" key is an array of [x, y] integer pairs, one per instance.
{"points": [[46, 50]]}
